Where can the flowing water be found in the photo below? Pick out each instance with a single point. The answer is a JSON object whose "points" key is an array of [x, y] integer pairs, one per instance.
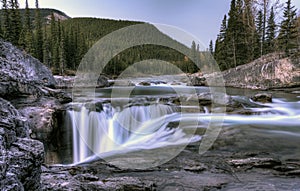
{"points": [[113, 126]]}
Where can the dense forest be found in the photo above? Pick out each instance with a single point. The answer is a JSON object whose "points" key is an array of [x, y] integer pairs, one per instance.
{"points": [[256, 28], [60, 42]]}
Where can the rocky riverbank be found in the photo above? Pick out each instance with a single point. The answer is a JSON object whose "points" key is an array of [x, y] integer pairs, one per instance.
{"points": [[239, 160], [27, 107]]}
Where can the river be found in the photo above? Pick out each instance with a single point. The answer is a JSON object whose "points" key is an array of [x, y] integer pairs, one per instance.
{"points": [[111, 122]]}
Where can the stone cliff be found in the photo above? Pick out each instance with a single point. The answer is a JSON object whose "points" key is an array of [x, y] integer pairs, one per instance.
{"points": [[27, 106], [268, 72]]}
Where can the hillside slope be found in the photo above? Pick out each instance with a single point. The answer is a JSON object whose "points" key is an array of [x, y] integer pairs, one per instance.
{"points": [[45, 14]]}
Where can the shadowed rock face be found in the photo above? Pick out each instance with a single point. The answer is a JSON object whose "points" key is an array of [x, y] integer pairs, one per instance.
{"points": [[21, 74], [20, 157]]}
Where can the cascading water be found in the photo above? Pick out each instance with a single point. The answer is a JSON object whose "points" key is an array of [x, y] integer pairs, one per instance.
{"points": [[113, 131], [141, 127]]}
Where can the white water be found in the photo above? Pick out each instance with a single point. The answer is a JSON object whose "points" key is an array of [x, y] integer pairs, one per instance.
{"points": [[137, 127], [112, 132]]}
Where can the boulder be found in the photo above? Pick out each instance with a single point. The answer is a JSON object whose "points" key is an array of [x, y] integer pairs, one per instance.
{"points": [[20, 73], [144, 83], [197, 81], [262, 97]]}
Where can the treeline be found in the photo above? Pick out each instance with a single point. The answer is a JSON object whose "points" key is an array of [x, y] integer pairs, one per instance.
{"points": [[20, 29], [62, 43], [251, 29], [69, 40]]}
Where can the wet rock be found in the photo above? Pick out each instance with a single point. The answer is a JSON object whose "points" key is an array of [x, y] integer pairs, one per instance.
{"points": [[255, 162], [40, 115], [44, 117], [120, 183], [174, 83], [293, 173], [145, 83], [86, 177], [262, 97], [60, 178], [122, 82], [62, 96], [150, 82], [194, 167], [64, 81], [197, 81]]}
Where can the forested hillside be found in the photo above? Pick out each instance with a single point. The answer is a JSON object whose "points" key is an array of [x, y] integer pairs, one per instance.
{"points": [[256, 28], [60, 42], [251, 29]]}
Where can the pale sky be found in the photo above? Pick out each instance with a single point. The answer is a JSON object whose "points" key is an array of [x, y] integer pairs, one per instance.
{"points": [[201, 18]]}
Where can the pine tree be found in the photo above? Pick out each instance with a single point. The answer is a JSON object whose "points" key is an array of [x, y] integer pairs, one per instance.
{"points": [[233, 30], [38, 33], [53, 41], [211, 49], [271, 33], [259, 32], [250, 30], [288, 29], [46, 49], [62, 53], [27, 16], [15, 22], [191, 67], [6, 21], [220, 46], [26, 39]]}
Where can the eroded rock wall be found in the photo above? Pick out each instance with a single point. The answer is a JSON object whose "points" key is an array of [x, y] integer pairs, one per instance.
{"points": [[268, 72]]}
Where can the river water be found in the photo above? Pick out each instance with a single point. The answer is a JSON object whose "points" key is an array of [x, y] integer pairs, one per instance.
{"points": [[121, 119]]}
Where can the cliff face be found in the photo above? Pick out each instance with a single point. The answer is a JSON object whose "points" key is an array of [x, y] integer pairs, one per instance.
{"points": [[269, 72], [26, 83], [20, 157]]}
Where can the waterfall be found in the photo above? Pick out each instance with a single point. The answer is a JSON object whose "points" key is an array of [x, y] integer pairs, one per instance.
{"points": [[109, 130]]}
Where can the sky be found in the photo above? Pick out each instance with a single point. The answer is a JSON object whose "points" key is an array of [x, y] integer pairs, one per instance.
{"points": [[200, 18]]}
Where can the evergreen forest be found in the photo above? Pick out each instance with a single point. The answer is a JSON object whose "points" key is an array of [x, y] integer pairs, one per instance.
{"points": [[251, 29]]}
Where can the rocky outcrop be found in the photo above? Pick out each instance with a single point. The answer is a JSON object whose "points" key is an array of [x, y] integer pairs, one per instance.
{"points": [[268, 72], [27, 84], [20, 157]]}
